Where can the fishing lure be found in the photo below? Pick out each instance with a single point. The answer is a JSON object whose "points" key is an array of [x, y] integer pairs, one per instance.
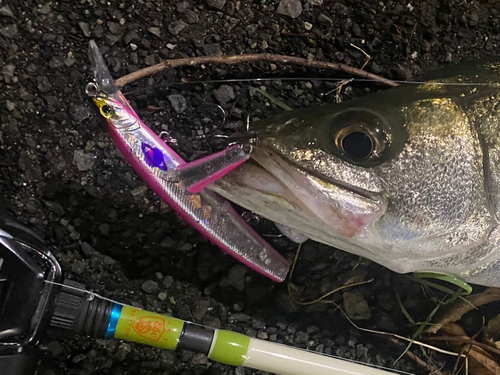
{"points": [[157, 163]]}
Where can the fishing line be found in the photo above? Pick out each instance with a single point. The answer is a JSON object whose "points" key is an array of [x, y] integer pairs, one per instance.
{"points": [[92, 295], [231, 80], [321, 79]]}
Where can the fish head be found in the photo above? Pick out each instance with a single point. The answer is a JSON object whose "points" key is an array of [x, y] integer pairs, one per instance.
{"points": [[395, 176]]}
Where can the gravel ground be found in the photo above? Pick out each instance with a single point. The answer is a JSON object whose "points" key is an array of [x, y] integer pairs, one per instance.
{"points": [[61, 174]]}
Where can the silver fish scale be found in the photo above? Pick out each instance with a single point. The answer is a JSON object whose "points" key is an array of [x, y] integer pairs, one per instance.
{"points": [[486, 113], [226, 230], [428, 213]]}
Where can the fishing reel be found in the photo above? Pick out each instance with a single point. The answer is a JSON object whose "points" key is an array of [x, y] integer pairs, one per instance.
{"points": [[26, 300], [33, 300]]}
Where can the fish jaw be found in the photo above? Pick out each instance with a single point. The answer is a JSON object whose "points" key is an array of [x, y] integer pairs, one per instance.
{"points": [[323, 210], [345, 210]]}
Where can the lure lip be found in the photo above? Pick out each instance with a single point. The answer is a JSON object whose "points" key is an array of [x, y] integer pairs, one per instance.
{"points": [[103, 81]]}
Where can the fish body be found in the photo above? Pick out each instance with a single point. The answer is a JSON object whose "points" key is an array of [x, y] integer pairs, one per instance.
{"points": [[408, 177], [153, 160]]}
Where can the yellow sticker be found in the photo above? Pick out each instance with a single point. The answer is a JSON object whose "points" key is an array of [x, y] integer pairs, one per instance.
{"points": [[148, 328]]}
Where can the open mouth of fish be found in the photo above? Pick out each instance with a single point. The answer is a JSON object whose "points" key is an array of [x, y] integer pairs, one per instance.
{"points": [[275, 187]]}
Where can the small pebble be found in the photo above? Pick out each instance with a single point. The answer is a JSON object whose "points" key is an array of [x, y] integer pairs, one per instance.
{"points": [[87, 249], [45, 9], [323, 19], [162, 296], [236, 277], [150, 60], [290, 8], [155, 31], [44, 84], [190, 16], [356, 30], [111, 39], [168, 281], [224, 94], [82, 160], [85, 29], [109, 261], [104, 229], [212, 50], [140, 191], [10, 105], [78, 267], [201, 308], [149, 286], [179, 102], [69, 61], [182, 6], [81, 112], [78, 358], [262, 335], [123, 351], [176, 27], [6, 11], [186, 247], [115, 28], [356, 306], [217, 4], [9, 31]]}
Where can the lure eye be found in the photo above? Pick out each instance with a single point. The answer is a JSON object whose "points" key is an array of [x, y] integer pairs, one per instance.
{"points": [[106, 110], [360, 138]]}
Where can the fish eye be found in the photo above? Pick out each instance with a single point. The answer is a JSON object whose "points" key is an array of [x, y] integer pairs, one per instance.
{"points": [[106, 110], [359, 137], [355, 143]]}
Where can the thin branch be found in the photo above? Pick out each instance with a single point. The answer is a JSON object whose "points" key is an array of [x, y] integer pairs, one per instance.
{"points": [[465, 340], [238, 59], [429, 366]]}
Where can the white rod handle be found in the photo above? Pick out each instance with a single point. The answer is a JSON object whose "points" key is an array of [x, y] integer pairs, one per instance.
{"points": [[286, 360]]}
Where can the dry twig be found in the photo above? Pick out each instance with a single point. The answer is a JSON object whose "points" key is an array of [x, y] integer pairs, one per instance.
{"points": [[238, 59], [433, 369], [465, 340]]}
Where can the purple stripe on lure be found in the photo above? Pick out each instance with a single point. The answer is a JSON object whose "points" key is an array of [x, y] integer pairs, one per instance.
{"points": [[154, 157]]}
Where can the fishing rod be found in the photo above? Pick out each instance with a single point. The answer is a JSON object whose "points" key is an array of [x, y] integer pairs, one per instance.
{"points": [[34, 301]]}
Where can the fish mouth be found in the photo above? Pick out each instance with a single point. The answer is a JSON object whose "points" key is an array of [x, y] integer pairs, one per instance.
{"points": [[275, 187]]}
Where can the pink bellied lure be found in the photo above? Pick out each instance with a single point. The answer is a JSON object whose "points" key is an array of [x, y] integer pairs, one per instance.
{"points": [[163, 170]]}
